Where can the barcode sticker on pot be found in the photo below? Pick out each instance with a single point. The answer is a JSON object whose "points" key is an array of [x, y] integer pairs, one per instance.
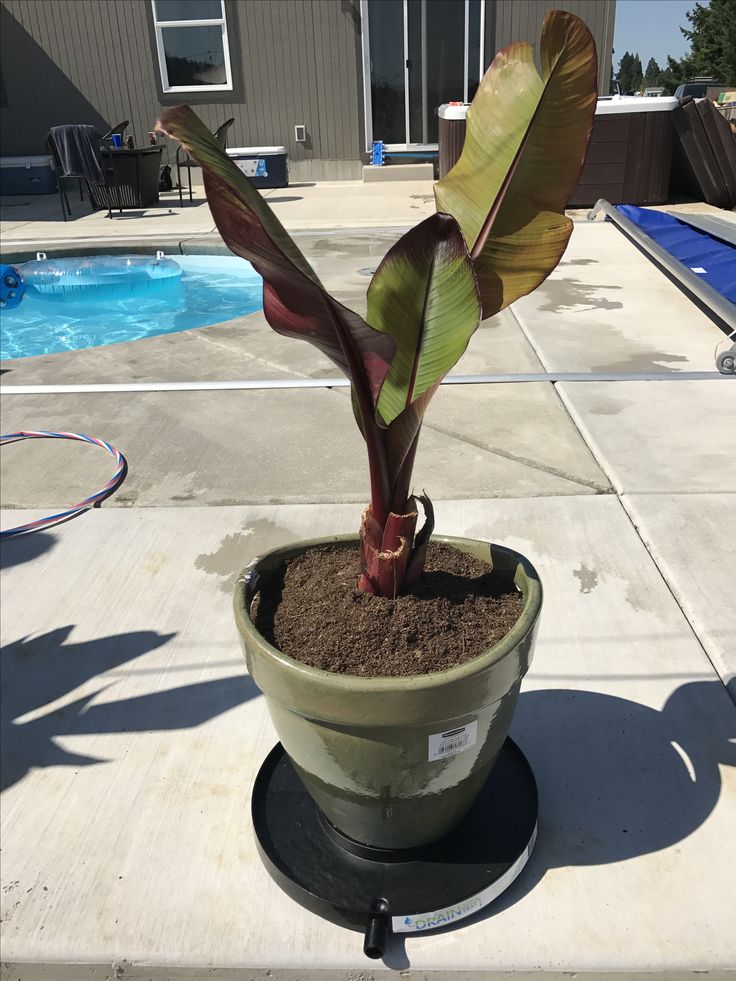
{"points": [[445, 744]]}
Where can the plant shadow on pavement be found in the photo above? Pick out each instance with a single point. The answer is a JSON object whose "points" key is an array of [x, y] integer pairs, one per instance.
{"points": [[25, 548], [37, 671], [617, 779]]}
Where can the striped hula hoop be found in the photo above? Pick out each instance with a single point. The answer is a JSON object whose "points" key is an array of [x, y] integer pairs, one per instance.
{"points": [[94, 500]]}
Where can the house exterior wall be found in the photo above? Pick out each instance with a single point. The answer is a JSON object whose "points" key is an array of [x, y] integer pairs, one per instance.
{"points": [[521, 20], [94, 61], [294, 61]]}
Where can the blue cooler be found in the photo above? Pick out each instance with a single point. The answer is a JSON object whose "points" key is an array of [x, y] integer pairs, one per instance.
{"points": [[267, 166], [27, 175]]}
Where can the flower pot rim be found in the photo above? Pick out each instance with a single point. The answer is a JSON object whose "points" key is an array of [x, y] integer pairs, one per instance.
{"points": [[245, 587]]}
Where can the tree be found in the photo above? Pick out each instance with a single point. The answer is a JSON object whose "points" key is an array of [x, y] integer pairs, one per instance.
{"points": [[630, 74], [712, 36], [653, 74], [676, 73], [637, 75]]}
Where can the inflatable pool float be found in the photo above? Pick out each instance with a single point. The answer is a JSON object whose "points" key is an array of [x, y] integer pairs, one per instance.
{"points": [[118, 274]]}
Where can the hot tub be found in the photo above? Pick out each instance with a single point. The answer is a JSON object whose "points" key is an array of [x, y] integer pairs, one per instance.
{"points": [[630, 152]]}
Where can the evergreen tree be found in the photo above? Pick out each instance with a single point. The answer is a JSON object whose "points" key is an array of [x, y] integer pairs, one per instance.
{"points": [[637, 75], [653, 74], [624, 71], [629, 73], [712, 36], [676, 73]]}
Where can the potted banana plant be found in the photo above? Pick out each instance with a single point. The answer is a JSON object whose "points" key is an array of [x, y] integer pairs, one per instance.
{"points": [[394, 750]]}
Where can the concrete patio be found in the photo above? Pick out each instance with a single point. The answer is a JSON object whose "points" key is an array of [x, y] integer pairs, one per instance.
{"points": [[36, 221], [343, 204], [132, 733]]}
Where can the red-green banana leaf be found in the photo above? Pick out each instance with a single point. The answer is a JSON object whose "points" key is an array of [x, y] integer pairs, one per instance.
{"points": [[524, 149], [424, 295], [294, 301]]}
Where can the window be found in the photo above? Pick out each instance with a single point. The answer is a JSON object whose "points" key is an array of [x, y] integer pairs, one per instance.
{"points": [[418, 54], [191, 39]]}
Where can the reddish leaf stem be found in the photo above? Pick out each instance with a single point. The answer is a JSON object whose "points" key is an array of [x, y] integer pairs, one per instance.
{"points": [[377, 458]]}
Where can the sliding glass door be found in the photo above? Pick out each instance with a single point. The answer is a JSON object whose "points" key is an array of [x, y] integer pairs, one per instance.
{"points": [[417, 55]]}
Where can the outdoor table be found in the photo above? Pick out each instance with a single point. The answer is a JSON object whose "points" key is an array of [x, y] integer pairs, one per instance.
{"points": [[136, 170]]}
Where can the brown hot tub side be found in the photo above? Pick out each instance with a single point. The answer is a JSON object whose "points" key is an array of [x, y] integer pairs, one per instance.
{"points": [[628, 161]]}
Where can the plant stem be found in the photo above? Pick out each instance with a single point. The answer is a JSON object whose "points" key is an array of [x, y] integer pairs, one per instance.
{"points": [[402, 486], [377, 459], [377, 467]]}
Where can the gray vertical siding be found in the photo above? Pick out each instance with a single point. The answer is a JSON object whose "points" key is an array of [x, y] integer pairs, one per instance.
{"points": [[515, 20], [294, 61]]}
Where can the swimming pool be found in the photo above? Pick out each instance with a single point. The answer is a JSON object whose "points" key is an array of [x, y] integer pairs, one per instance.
{"points": [[212, 289]]}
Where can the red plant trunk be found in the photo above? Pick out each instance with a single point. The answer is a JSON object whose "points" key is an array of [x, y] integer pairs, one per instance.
{"points": [[390, 555]]}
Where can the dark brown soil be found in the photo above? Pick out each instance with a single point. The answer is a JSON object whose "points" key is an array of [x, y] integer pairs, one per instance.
{"points": [[457, 610]]}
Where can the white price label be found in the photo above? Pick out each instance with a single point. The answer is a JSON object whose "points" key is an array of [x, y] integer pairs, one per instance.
{"points": [[442, 745]]}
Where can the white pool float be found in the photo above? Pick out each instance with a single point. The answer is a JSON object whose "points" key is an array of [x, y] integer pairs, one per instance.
{"points": [[122, 273]]}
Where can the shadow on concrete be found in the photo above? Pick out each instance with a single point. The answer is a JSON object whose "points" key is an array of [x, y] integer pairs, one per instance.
{"points": [[25, 548], [39, 94], [37, 671], [151, 211], [616, 779], [43, 207]]}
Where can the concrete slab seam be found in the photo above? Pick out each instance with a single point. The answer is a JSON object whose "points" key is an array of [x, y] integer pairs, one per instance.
{"points": [[527, 334], [524, 461], [513, 457], [590, 441], [587, 438], [673, 594]]}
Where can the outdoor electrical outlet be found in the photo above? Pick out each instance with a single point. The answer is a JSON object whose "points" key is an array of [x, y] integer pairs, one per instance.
{"points": [[300, 133]]}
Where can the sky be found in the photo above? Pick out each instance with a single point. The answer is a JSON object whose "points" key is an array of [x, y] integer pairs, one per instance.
{"points": [[651, 29]]}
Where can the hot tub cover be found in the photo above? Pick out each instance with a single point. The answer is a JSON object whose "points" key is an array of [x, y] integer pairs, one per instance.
{"points": [[704, 254]]}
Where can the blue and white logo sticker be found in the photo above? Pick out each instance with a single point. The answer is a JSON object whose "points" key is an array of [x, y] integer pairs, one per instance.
{"points": [[420, 922]]}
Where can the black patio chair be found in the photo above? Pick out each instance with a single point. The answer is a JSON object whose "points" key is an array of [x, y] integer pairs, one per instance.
{"points": [[185, 162], [82, 179]]}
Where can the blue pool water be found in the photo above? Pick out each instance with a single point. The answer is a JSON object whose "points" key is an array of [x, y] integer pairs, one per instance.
{"points": [[212, 289]]}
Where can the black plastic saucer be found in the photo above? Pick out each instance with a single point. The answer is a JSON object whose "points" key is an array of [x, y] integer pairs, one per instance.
{"points": [[405, 891]]}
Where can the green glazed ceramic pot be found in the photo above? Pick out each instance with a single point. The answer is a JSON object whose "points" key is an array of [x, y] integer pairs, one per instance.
{"points": [[393, 762]]}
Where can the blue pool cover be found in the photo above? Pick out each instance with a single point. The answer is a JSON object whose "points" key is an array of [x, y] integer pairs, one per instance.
{"points": [[705, 255]]}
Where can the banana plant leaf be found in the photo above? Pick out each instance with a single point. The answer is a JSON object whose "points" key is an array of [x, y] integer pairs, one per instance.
{"points": [[425, 296], [294, 301], [524, 149], [500, 229]]}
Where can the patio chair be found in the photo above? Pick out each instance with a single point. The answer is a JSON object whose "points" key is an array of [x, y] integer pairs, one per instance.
{"points": [[185, 162], [66, 174]]}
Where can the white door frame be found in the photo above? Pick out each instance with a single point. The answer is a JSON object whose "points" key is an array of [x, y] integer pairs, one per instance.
{"points": [[365, 47]]}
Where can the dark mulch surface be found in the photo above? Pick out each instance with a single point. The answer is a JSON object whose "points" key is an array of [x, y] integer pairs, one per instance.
{"points": [[456, 611]]}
